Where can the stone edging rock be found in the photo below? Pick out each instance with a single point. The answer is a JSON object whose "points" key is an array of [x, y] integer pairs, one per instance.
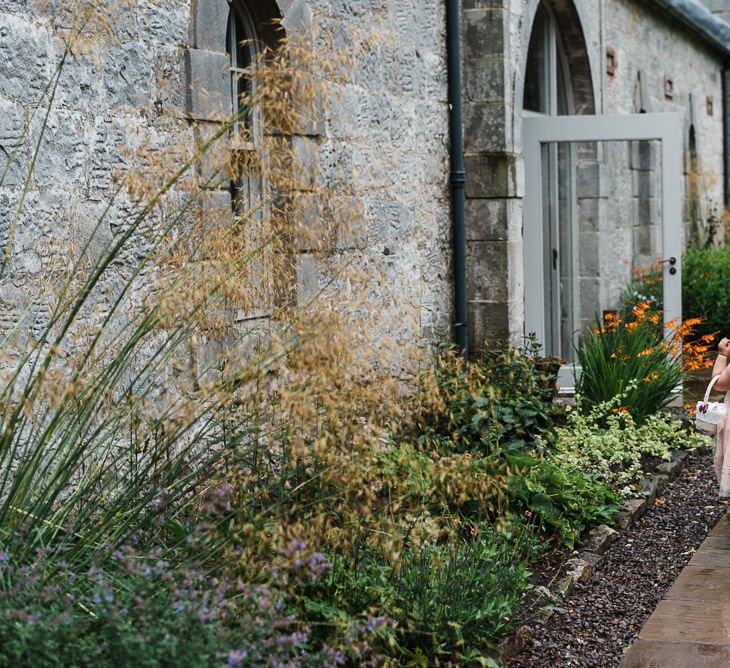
{"points": [[593, 547]]}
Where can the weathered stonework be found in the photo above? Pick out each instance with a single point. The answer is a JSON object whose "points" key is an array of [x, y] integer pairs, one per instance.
{"points": [[384, 132], [616, 186]]}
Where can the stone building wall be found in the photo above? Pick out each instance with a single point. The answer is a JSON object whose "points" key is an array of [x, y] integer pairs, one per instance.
{"points": [[648, 45], [385, 131]]}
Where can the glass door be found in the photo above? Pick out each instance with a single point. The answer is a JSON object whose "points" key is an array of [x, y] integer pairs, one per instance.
{"points": [[602, 208]]}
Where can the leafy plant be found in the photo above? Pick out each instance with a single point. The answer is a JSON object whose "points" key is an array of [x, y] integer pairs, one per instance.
{"points": [[631, 359], [605, 442], [705, 290], [502, 400], [449, 599]]}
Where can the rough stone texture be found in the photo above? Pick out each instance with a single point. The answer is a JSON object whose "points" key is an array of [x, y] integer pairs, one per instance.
{"points": [[617, 185], [384, 132], [600, 539], [630, 511]]}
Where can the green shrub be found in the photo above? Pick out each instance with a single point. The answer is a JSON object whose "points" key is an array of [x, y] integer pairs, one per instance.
{"points": [[502, 400], [496, 416], [562, 500], [631, 359], [451, 601], [138, 609], [706, 289], [608, 444]]}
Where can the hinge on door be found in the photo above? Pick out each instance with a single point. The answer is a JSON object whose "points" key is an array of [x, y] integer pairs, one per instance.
{"points": [[555, 259]]}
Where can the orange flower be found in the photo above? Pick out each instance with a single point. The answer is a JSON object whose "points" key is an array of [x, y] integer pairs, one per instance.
{"points": [[621, 410]]}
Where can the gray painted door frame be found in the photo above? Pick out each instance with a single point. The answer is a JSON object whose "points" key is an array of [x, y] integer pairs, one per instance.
{"points": [[540, 130]]}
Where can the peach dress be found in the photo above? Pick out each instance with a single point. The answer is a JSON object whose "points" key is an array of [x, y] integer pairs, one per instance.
{"points": [[722, 453]]}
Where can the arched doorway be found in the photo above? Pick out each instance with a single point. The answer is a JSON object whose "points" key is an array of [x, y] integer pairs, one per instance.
{"points": [[558, 82], [585, 231]]}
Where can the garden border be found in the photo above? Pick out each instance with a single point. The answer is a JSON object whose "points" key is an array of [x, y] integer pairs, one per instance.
{"points": [[592, 549]]}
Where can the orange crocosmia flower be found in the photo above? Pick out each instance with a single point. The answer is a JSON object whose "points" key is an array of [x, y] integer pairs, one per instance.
{"points": [[630, 327], [621, 410], [645, 353]]}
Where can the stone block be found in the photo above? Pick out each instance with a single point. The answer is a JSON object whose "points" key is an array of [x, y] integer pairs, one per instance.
{"points": [[483, 32], [589, 254], [307, 278], [208, 85], [493, 219], [580, 570], [169, 76], [81, 83], [491, 175], [600, 539], [209, 24], [485, 127], [166, 21], [645, 184], [630, 511], [306, 162], [128, 75], [484, 80], [564, 586], [24, 54], [591, 558], [215, 212], [349, 223], [590, 291], [588, 214], [588, 180], [12, 145], [492, 321], [670, 469], [62, 156], [212, 166], [492, 268]]}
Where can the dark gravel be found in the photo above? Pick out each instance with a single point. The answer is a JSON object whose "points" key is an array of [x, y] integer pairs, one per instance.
{"points": [[603, 617]]}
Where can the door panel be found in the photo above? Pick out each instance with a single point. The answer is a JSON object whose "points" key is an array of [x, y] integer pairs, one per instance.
{"points": [[602, 204]]}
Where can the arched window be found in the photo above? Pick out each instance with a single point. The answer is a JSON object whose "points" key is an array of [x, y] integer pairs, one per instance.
{"points": [[546, 77], [247, 187], [241, 45], [228, 38]]}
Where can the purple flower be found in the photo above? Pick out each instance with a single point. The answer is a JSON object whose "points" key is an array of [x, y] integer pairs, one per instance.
{"points": [[236, 657]]}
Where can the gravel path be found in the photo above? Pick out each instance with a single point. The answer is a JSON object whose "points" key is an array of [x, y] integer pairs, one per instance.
{"points": [[604, 616]]}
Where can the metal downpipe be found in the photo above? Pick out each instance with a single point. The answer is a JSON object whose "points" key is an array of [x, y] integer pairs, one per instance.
{"points": [[458, 174]]}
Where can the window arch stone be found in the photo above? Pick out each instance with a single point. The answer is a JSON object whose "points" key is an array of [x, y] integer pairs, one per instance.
{"points": [[207, 63]]}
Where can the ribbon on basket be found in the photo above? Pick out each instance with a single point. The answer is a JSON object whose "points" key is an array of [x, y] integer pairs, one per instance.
{"points": [[710, 414]]}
